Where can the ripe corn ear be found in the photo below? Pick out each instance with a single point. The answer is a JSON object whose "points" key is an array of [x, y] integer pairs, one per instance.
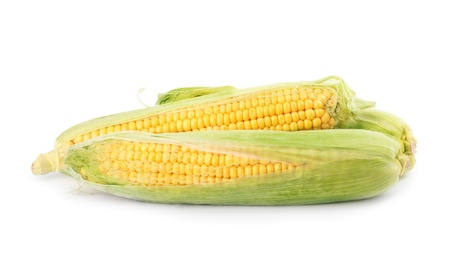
{"points": [[293, 106], [239, 167]]}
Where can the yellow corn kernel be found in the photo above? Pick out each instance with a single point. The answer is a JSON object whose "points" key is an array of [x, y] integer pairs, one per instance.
{"points": [[293, 126], [308, 124], [317, 122], [310, 114]]}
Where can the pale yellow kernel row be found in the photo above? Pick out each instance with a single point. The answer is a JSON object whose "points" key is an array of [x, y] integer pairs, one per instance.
{"points": [[178, 165], [304, 120], [160, 154], [115, 167], [183, 174]]}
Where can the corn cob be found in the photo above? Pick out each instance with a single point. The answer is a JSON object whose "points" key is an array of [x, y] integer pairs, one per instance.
{"points": [[293, 106], [239, 167]]}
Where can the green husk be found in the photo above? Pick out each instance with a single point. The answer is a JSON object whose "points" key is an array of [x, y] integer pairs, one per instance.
{"points": [[363, 104], [335, 165], [389, 124], [179, 94]]}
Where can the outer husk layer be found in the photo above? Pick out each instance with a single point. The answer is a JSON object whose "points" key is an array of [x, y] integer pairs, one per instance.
{"points": [[335, 165], [389, 124]]}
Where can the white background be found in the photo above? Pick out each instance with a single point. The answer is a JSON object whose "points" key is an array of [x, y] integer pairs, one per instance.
{"points": [[64, 62]]}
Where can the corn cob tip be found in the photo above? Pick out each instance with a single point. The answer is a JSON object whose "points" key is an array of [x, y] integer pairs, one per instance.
{"points": [[44, 164], [413, 147], [412, 141]]}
